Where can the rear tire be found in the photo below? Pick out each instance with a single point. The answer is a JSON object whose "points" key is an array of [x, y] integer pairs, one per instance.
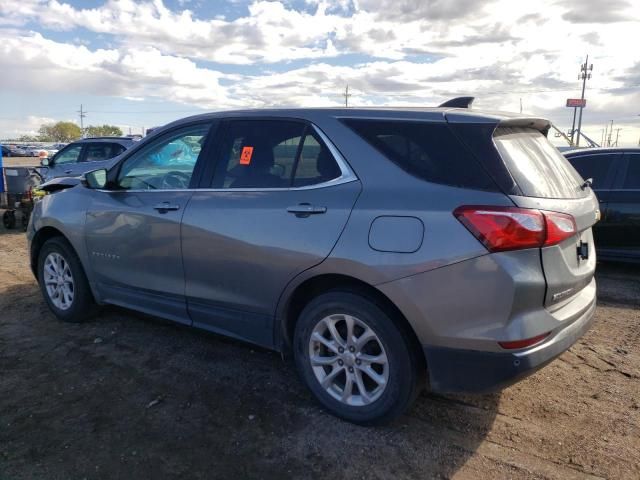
{"points": [[63, 282], [370, 376]]}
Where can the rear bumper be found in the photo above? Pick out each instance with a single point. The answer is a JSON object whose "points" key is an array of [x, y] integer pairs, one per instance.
{"points": [[457, 370]]}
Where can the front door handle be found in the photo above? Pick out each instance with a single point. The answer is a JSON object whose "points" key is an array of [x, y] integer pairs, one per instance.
{"points": [[165, 207], [306, 209], [68, 171]]}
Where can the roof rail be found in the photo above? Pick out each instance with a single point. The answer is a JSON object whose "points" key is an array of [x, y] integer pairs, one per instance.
{"points": [[458, 102]]}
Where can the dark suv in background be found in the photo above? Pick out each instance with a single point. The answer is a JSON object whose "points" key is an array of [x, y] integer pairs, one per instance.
{"points": [[615, 174], [84, 155]]}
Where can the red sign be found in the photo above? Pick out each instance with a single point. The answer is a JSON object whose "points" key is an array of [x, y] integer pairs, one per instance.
{"points": [[576, 102], [245, 156]]}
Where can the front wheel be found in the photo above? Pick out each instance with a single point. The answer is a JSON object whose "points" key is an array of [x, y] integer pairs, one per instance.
{"points": [[63, 282], [355, 359]]}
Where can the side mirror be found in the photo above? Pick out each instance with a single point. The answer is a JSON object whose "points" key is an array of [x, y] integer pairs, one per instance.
{"points": [[95, 179], [45, 162]]}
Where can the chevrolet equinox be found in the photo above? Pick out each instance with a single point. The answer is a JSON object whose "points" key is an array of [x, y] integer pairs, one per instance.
{"points": [[384, 249]]}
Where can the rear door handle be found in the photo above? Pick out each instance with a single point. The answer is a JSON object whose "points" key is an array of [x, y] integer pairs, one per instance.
{"points": [[306, 209], [68, 171], [165, 207]]}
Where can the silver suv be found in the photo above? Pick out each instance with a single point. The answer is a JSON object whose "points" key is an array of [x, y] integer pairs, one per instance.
{"points": [[380, 247]]}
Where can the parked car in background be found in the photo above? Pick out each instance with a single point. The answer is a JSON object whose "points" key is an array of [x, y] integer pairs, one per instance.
{"points": [[615, 176], [6, 151], [377, 246], [83, 155]]}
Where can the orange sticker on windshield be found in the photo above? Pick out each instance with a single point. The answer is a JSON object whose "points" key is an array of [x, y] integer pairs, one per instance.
{"points": [[245, 156]]}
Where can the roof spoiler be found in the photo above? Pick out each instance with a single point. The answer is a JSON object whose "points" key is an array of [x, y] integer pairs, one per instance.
{"points": [[541, 124], [458, 102]]}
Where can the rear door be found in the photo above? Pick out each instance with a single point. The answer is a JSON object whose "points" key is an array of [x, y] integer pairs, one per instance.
{"points": [[275, 206], [602, 168], [623, 213], [547, 181], [99, 155]]}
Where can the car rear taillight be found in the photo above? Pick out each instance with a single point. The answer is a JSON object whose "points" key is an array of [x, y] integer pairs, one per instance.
{"points": [[560, 226], [510, 228]]}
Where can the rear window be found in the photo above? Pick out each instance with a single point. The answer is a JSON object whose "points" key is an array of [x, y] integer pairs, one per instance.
{"points": [[426, 150], [538, 168]]}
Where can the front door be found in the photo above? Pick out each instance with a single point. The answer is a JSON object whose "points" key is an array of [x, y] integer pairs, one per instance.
{"points": [[133, 228], [277, 203]]}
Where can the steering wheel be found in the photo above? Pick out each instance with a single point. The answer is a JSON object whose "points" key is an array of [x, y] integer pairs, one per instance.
{"points": [[175, 179]]}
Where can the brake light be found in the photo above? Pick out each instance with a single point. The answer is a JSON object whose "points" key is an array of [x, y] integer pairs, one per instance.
{"points": [[510, 228], [523, 343], [560, 226]]}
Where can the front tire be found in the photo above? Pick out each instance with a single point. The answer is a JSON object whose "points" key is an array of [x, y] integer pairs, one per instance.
{"points": [[355, 359], [63, 282]]}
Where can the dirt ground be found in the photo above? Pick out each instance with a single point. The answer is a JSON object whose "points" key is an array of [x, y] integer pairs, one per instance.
{"points": [[127, 396]]}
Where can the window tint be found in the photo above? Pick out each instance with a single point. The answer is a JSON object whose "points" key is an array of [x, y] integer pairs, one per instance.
{"points": [[166, 163], [632, 180], [538, 168], [426, 150], [116, 149], [315, 165], [593, 166], [272, 154], [97, 151], [68, 155]]}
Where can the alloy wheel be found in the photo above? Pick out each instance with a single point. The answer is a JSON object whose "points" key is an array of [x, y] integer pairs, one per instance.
{"points": [[348, 359], [58, 281]]}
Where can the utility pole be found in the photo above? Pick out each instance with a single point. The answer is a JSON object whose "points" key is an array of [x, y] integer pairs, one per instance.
{"points": [[585, 73], [610, 133], [83, 113], [520, 104], [346, 95], [573, 126]]}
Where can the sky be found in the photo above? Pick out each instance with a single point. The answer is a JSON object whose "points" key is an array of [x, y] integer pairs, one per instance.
{"points": [[138, 64]]}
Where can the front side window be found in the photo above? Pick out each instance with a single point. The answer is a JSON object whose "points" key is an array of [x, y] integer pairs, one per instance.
{"points": [[68, 155], [166, 163], [273, 154]]}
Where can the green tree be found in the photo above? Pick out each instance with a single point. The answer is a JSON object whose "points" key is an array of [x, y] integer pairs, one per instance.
{"points": [[59, 132], [103, 131]]}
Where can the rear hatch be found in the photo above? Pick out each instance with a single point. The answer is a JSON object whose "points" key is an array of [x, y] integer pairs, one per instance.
{"points": [[544, 179]]}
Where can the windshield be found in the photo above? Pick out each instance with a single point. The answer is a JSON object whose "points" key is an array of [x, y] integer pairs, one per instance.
{"points": [[538, 168]]}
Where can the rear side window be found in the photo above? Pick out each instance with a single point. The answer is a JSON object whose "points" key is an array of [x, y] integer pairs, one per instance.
{"points": [[538, 168], [632, 179], [97, 151], [595, 167], [273, 154], [116, 149], [426, 150]]}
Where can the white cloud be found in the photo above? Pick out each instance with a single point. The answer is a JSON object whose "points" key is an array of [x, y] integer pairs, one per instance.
{"points": [[417, 53]]}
